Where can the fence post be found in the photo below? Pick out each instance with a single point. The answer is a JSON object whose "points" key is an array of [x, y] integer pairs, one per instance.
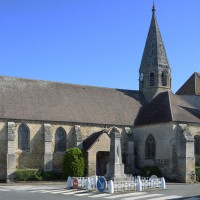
{"points": [[111, 187], [163, 185], [95, 180], [69, 182], [88, 184], [152, 183], [139, 184]]}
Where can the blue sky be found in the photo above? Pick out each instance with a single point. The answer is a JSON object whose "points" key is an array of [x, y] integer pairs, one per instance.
{"points": [[95, 42]]}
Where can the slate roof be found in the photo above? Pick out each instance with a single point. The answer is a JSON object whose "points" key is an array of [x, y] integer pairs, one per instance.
{"points": [[154, 55], [191, 86], [167, 107], [26, 99], [89, 141]]}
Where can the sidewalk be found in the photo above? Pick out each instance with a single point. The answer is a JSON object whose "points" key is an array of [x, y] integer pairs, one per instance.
{"points": [[35, 183]]}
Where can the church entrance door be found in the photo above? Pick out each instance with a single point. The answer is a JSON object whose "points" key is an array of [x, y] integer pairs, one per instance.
{"points": [[102, 159]]}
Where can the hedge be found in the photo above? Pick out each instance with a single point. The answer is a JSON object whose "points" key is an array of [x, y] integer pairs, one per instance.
{"points": [[73, 163], [197, 171], [28, 175], [148, 171]]}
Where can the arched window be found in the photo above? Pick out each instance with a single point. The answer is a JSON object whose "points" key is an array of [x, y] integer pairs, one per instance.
{"points": [[150, 147], [60, 140], [197, 144], [23, 137], [151, 79], [164, 79]]}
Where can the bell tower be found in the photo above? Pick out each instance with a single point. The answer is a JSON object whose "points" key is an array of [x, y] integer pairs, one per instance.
{"points": [[155, 72]]}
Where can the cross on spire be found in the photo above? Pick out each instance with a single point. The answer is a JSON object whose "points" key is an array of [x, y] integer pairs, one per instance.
{"points": [[153, 8]]}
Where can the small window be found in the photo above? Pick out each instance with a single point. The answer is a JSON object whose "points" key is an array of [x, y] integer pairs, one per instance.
{"points": [[150, 147], [197, 144], [151, 80], [164, 79], [23, 137], [60, 140]]}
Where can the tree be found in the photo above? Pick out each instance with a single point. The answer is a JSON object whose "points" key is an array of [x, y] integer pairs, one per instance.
{"points": [[73, 163]]}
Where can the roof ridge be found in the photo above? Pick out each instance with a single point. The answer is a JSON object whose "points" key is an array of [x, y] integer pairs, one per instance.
{"points": [[195, 82], [97, 139], [181, 90], [184, 101], [170, 106], [64, 83], [101, 132]]}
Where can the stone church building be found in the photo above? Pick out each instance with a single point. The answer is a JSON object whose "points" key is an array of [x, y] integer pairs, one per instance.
{"points": [[40, 119]]}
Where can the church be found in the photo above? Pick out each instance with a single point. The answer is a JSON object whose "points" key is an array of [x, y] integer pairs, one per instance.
{"points": [[40, 119]]}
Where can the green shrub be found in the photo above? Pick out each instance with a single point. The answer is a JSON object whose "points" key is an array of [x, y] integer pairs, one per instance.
{"points": [[127, 169], [51, 176], [197, 171], [73, 163], [48, 176], [148, 171], [28, 175]]}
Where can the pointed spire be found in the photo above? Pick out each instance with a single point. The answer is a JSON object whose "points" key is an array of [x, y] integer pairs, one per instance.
{"points": [[154, 69], [154, 54]]}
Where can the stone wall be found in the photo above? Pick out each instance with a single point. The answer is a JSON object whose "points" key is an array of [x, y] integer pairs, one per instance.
{"points": [[186, 158], [165, 139], [194, 129], [3, 150], [174, 150], [101, 145], [35, 156]]}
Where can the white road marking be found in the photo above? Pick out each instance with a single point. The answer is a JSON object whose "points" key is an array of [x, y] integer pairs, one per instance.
{"points": [[4, 190], [84, 194], [167, 197], [42, 191], [68, 193], [143, 196], [55, 191], [79, 193], [126, 194], [100, 195], [58, 191]]}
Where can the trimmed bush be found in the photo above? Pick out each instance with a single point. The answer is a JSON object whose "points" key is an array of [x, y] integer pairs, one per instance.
{"points": [[151, 170], [48, 176], [28, 175], [197, 171], [73, 163]]}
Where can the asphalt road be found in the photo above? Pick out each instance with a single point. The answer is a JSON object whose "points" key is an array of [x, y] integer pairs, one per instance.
{"points": [[57, 191]]}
